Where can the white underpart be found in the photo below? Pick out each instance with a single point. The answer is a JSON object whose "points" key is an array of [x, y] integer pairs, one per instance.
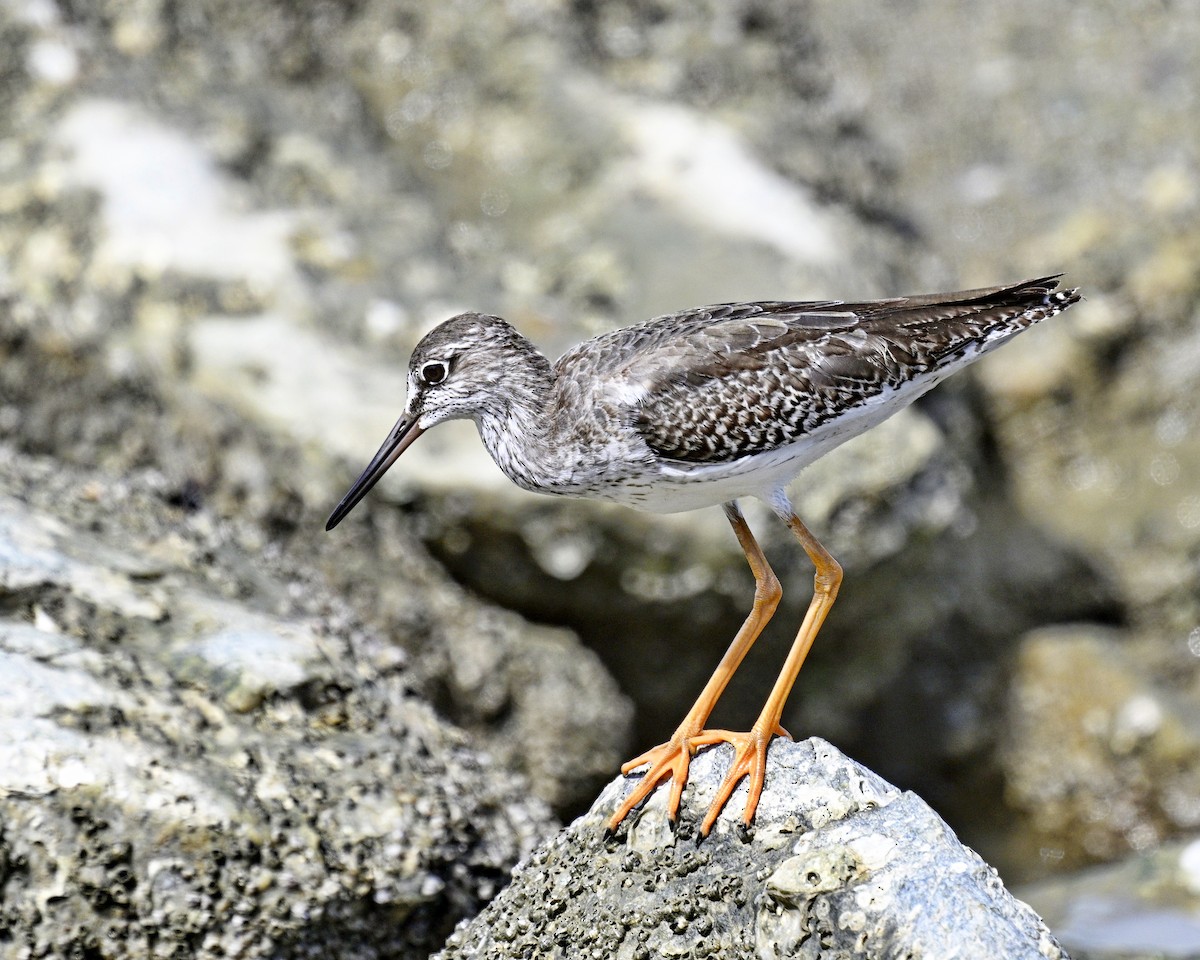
{"points": [[705, 170]]}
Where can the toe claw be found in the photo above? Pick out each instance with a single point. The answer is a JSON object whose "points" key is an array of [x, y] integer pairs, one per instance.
{"points": [[638, 794]]}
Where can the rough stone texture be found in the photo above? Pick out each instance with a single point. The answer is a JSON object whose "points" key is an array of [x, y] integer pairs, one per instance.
{"points": [[839, 863], [543, 705], [203, 755], [1034, 130]]}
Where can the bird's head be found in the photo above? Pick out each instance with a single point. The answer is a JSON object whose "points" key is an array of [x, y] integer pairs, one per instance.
{"points": [[459, 370]]}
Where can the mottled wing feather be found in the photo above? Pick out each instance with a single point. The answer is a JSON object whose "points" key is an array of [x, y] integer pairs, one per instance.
{"points": [[739, 386], [641, 349]]}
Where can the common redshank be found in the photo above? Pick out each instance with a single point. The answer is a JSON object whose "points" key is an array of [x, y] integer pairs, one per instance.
{"points": [[700, 408]]}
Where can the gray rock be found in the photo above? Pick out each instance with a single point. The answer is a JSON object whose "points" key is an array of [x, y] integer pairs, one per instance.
{"points": [[204, 758], [490, 671], [1143, 905], [838, 863]]}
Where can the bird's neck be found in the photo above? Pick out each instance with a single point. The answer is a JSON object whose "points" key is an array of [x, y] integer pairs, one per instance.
{"points": [[516, 430]]}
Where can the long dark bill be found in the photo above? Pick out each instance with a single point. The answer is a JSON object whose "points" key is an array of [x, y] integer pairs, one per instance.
{"points": [[403, 434]]}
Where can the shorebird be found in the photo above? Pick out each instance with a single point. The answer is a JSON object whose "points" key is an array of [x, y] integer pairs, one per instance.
{"points": [[700, 408]]}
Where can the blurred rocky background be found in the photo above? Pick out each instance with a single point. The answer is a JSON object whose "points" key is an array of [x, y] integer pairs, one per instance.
{"points": [[224, 225]]}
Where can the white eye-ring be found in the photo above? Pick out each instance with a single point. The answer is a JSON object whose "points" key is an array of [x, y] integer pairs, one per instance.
{"points": [[434, 372]]}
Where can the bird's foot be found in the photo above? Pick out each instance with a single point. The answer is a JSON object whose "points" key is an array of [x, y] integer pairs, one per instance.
{"points": [[671, 761], [667, 761], [749, 760]]}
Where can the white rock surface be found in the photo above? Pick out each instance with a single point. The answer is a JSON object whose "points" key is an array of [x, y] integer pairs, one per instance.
{"points": [[839, 863]]}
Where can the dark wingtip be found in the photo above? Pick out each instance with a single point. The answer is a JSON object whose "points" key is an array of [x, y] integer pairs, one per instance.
{"points": [[1060, 298]]}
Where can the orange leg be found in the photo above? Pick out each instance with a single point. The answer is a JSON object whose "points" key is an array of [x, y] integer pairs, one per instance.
{"points": [[670, 761], [750, 749]]}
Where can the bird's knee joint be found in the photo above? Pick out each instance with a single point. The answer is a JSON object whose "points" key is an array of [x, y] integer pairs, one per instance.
{"points": [[768, 591], [828, 577]]}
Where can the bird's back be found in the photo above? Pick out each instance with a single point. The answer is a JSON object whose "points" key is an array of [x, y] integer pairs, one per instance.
{"points": [[720, 383]]}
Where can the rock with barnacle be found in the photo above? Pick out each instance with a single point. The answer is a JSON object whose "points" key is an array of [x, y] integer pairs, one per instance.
{"points": [[191, 770], [838, 863]]}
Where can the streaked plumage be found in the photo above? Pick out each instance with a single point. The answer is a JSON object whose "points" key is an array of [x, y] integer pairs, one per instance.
{"points": [[700, 408]]}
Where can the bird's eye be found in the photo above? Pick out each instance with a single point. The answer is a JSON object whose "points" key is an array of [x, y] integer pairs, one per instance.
{"points": [[433, 373]]}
